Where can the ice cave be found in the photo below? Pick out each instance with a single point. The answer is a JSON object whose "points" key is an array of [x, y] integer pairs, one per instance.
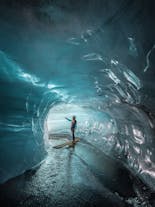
{"points": [[92, 59]]}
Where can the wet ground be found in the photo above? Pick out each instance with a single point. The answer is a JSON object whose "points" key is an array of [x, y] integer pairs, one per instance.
{"points": [[76, 176]]}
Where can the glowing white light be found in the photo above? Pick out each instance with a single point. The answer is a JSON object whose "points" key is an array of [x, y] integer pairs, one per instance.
{"points": [[132, 78], [63, 94], [50, 86], [93, 56], [114, 62], [89, 32], [73, 41], [28, 77], [138, 135], [113, 77], [148, 58]]}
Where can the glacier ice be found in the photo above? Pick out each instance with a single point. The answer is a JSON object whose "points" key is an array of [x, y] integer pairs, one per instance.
{"points": [[99, 69]]}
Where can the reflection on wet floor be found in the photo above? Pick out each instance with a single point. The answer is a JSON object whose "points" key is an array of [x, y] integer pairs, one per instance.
{"points": [[57, 136], [75, 176]]}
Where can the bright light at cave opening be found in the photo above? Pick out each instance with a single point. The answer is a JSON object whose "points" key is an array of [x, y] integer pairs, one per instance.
{"points": [[89, 121], [56, 122]]}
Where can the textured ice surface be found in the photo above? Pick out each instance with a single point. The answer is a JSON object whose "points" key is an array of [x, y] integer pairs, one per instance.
{"points": [[55, 63]]}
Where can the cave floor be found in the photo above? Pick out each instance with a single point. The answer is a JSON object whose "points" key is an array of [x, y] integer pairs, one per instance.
{"points": [[76, 176]]}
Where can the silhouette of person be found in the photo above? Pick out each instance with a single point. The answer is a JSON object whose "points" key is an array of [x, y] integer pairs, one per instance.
{"points": [[73, 126]]}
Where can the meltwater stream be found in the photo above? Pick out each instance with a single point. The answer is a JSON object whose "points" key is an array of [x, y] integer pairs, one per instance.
{"points": [[86, 59]]}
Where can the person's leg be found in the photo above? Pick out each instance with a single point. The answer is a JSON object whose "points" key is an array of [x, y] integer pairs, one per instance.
{"points": [[73, 136], [72, 133]]}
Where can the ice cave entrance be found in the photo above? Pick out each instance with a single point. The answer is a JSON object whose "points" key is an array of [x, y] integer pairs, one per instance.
{"points": [[57, 124], [91, 123]]}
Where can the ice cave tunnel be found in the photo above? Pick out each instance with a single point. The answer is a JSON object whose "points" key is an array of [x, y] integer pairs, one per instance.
{"points": [[93, 59]]}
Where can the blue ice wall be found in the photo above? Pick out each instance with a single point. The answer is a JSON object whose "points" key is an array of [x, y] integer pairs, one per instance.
{"points": [[21, 145], [98, 55]]}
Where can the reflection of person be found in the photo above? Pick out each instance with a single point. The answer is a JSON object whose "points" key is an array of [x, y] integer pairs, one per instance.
{"points": [[73, 126]]}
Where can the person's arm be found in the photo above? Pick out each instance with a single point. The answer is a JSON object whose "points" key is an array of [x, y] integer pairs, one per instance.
{"points": [[68, 119]]}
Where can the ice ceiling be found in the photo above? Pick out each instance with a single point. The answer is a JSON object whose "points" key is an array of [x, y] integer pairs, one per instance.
{"points": [[94, 59]]}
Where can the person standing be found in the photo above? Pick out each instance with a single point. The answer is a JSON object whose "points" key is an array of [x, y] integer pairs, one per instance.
{"points": [[73, 126]]}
